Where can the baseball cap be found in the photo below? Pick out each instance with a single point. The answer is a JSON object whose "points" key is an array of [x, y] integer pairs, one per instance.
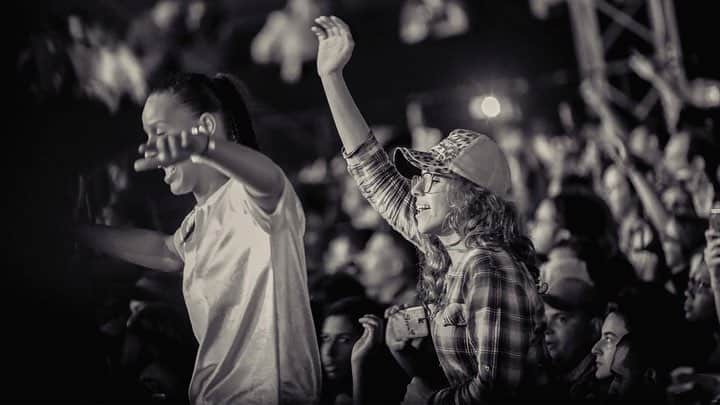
{"points": [[569, 286], [471, 155]]}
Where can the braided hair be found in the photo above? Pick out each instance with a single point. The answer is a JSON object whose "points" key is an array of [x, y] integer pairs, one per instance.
{"points": [[219, 94]]}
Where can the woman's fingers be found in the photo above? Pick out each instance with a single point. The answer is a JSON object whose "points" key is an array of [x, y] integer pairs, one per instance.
{"points": [[341, 25], [393, 310], [145, 164], [334, 27], [371, 320], [324, 22], [319, 32]]}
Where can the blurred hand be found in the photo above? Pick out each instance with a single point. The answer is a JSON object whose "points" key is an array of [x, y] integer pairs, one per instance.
{"points": [[617, 151], [642, 66], [688, 386], [335, 44], [372, 337], [169, 149], [392, 340]]}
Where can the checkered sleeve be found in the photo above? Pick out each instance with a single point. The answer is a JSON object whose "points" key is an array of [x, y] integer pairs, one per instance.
{"points": [[384, 188], [499, 328]]}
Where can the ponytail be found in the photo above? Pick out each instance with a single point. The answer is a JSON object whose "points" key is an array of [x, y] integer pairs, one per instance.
{"points": [[221, 94], [235, 110]]}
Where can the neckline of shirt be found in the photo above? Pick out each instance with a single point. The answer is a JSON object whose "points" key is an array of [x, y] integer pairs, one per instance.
{"points": [[214, 196]]}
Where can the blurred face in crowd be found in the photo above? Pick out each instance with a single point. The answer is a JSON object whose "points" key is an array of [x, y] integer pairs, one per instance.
{"points": [[644, 259], [338, 336], [645, 144], [351, 200], [618, 193], [431, 205], [545, 227], [677, 200], [675, 157], [380, 261], [672, 245], [569, 336], [165, 114], [699, 301], [339, 253], [613, 329]]}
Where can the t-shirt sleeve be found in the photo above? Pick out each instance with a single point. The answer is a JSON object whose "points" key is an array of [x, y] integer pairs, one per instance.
{"points": [[181, 234], [288, 209]]}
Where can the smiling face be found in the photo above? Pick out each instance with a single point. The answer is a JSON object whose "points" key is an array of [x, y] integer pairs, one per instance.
{"points": [[613, 329], [164, 114], [431, 204]]}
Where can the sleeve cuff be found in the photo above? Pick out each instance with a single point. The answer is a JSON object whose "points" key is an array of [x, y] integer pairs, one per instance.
{"points": [[367, 148]]}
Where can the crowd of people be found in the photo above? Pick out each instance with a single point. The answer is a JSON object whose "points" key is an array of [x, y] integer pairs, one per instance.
{"points": [[582, 267]]}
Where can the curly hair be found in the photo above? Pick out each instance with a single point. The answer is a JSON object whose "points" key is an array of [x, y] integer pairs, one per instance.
{"points": [[481, 219]]}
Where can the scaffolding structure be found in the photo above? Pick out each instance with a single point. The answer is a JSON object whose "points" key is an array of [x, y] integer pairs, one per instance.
{"points": [[597, 26]]}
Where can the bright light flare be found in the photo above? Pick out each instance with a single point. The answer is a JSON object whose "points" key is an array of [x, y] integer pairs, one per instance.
{"points": [[485, 107]]}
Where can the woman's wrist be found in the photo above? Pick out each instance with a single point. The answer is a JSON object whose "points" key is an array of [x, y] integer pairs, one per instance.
{"points": [[334, 75]]}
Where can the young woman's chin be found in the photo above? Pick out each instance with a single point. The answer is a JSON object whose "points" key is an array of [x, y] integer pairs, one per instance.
{"points": [[430, 228], [178, 187]]}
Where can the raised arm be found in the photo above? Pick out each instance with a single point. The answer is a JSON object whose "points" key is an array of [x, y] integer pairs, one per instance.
{"points": [[617, 150], [260, 175], [380, 183], [145, 248], [335, 47]]}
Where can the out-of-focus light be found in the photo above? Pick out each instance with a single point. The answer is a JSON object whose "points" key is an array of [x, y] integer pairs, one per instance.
{"points": [[490, 106]]}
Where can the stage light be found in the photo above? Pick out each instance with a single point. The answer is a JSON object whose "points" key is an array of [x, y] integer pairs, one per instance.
{"points": [[490, 107]]}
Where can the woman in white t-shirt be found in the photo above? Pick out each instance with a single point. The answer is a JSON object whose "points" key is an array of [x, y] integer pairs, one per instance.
{"points": [[240, 249]]}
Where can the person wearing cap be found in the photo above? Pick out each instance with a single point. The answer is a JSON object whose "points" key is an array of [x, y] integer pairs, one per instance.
{"points": [[478, 278], [573, 315]]}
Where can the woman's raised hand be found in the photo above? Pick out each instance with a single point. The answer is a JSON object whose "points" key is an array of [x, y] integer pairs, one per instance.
{"points": [[373, 332], [171, 148], [335, 44]]}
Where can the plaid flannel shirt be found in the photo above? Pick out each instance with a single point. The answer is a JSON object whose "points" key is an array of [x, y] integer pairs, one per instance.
{"points": [[489, 334]]}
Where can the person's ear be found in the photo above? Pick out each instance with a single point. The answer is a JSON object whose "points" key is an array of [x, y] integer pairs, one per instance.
{"points": [[209, 122]]}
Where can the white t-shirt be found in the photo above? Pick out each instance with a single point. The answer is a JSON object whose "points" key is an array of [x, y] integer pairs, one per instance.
{"points": [[245, 287]]}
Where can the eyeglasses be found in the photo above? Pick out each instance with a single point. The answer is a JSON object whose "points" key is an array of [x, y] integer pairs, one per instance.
{"points": [[696, 287], [427, 179]]}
